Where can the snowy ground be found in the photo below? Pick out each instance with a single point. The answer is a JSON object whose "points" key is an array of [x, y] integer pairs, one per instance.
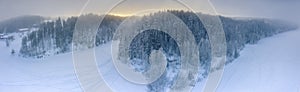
{"points": [[53, 74], [272, 65]]}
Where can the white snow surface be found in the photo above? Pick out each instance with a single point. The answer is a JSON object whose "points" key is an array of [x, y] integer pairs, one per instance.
{"points": [[272, 65]]}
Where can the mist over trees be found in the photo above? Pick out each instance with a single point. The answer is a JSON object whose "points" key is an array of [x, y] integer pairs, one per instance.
{"points": [[14, 24]]}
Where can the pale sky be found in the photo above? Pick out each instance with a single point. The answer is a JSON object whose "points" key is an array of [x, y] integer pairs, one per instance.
{"points": [[240, 8]]}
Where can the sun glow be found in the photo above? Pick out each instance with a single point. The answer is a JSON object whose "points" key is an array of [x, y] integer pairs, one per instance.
{"points": [[121, 15]]}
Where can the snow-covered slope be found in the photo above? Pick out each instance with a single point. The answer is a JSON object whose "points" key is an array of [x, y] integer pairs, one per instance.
{"points": [[272, 65], [54, 73]]}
